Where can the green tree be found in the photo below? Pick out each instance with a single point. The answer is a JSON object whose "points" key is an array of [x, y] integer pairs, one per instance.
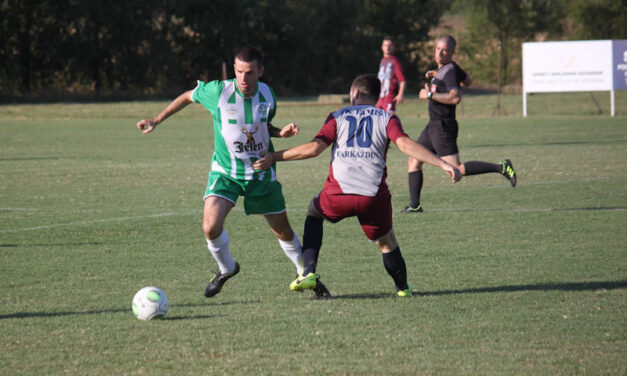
{"points": [[598, 19], [29, 30], [310, 46], [498, 28], [159, 47]]}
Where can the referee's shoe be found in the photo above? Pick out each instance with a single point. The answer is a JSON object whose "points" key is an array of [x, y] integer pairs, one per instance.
{"points": [[507, 170], [409, 209]]}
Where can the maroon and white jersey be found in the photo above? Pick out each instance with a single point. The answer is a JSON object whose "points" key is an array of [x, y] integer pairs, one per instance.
{"points": [[391, 75], [360, 136]]}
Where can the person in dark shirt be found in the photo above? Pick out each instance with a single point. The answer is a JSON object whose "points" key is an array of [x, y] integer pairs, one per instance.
{"points": [[440, 134]]}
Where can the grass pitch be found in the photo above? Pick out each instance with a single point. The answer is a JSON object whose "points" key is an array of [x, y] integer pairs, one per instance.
{"points": [[530, 280]]}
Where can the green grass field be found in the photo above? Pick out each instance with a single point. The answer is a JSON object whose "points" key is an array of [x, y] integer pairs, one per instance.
{"points": [[523, 281]]}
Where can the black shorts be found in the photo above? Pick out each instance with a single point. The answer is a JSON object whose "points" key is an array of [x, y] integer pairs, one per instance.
{"points": [[440, 137]]}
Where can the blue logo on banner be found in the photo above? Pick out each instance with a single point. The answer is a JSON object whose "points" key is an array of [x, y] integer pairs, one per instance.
{"points": [[619, 51]]}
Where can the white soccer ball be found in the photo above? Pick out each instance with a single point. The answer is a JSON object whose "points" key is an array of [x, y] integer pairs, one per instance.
{"points": [[150, 302]]}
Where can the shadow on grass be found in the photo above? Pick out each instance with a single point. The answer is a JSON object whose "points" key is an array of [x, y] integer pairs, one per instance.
{"points": [[567, 286], [552, 143], [53, 244], [594, 208], [587, 208], [28, 159], [28, 315], [168, 318]]}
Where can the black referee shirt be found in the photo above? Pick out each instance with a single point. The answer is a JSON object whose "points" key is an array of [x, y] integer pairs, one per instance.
{"points": [[447, 78]]}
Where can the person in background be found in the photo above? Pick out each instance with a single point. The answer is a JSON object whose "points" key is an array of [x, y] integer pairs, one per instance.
{"points": [[391, 76], [440, 134]]}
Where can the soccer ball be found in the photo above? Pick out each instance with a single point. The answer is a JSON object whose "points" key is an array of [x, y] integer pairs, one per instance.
{"points": [[150, 302]]}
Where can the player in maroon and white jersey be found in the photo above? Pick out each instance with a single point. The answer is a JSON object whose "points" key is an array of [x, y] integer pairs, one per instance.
{"points": [[392, 77], [356, 187]]}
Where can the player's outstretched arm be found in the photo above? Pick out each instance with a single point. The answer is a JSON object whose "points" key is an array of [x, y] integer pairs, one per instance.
{"points": [[304, 151], [287, 131], [149, 125], [419, 152]]}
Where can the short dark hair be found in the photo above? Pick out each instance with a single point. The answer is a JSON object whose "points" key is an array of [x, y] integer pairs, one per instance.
{"points": [[249, 54], [388, 37], [368, 85], [450, 41]]}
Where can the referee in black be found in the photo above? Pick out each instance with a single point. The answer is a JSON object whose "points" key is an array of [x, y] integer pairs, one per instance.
{"points": [[440, 135]]}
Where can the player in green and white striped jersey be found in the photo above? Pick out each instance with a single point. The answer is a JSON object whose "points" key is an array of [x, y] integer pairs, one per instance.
{"points": [[239, 124], [242, 111]]}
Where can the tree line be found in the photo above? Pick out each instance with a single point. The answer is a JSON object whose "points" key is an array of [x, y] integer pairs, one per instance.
{"points": [[492, 41], [157, 48]]}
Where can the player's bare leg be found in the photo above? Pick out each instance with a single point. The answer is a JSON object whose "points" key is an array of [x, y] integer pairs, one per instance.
{"points": [[288, 240], [280, 226], [215, 211], [454, 161]]}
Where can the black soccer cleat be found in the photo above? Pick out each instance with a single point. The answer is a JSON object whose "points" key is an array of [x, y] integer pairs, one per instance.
{"points": [[218, 281], [507, 170], [321, 291], [409, 209]]}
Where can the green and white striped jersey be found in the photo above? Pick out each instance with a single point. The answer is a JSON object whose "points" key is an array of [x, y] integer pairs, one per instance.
{"points": [[240, 127]]}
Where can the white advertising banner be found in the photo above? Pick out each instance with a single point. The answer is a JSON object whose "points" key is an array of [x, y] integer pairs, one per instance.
{"points": [[567, 66]]}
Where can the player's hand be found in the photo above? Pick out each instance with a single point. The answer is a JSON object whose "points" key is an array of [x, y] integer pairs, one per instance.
{"points": [[147, 125], [398, 99], [289, 130], [453, 172], [430, 74], [263, 163], [423, 92]]}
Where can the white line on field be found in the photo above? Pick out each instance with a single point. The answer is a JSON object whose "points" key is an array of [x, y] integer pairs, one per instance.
{"points": [[120, 219]]}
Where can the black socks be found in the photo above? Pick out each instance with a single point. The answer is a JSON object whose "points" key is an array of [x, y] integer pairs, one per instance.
{"points": [[478, 167], [312, 241], [395, 266], [415, 186]]}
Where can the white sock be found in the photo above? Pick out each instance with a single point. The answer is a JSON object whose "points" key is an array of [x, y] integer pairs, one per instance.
{"points": [[294, 250], [219, 248]]}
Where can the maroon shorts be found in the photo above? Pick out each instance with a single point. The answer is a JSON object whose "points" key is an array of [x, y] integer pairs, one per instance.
{"points": [[374, 213]]}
